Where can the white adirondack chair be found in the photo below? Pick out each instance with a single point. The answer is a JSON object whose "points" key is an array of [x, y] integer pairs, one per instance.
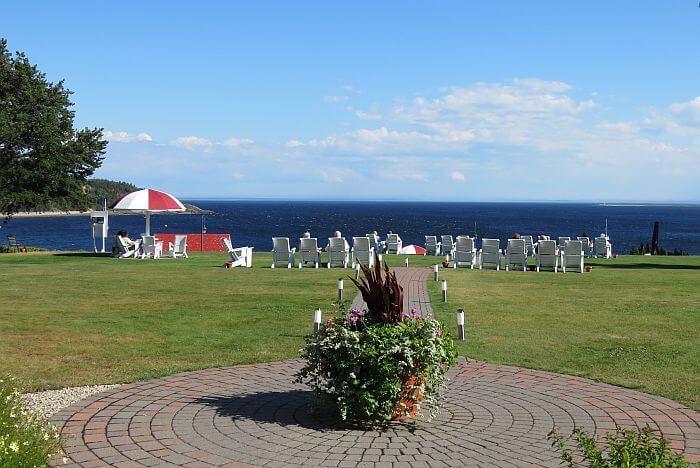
{"points": [[124, 251], [374, 242], [308, 252], [432, 246], [572, 256], [240, 256], [150, 248], [338, 253], [586, 245], [448, 245], [547, 255], [516, 255], [393, 243], [561, 242], [465, 252], [602, 247], [362, 251], [177, 249], [529, 246], [490, 252], [282, 254]]}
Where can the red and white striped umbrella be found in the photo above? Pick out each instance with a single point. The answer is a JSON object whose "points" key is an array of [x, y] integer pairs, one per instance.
{"points": [[149, 201], [412, 250]]}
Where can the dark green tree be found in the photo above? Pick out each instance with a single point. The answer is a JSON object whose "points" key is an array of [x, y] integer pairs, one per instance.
{"points": [[43, 159]]}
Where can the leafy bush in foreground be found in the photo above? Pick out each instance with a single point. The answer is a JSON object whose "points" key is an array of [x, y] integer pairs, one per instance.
{"points": [[25, 438], [624, 448]]}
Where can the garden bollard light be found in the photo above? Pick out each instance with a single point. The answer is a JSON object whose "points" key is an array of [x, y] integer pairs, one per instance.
{"points": [[406, 262], [435, 271], [444, 290], [380, 259], [357, 271], [447, 257], [460, 324], [317, 320], [340, 289]]}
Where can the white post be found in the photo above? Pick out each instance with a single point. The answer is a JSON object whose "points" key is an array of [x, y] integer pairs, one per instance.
{"points": [[357, 271], [436, 268], [380, 259], [406, 262], [444, 290], [340, 290], [460, 324], [317, 320]]}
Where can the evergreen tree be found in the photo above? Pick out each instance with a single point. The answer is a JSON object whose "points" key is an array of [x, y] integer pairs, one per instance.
{"points": [[43, 159]]}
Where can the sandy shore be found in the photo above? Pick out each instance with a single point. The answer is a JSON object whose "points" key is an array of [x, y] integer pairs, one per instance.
{"points": [[49, 214]]}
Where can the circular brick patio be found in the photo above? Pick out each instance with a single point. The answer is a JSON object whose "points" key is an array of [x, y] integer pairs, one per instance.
{"points": [[257, 415]]}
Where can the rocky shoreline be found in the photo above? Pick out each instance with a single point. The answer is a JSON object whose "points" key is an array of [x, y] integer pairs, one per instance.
{"points": [[191, 209]]}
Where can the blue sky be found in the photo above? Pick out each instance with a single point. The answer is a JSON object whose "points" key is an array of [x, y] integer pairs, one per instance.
{"points": [[454, 101]]}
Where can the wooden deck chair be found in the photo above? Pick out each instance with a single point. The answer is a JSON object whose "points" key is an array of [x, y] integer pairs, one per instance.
{"points": [[393, 243], [432, 246], [602, 247], [240, 256], [529, 246], [123, 250], [561, 242], [178, 248], [338, 253], [150, 248], [374, 242], [362, 251], [282, 254], [17, 245], [490, 252], [547, 255], [572, 256], [465, 253], [516, 255], [448, 245], [586, 245], [308, 252]]}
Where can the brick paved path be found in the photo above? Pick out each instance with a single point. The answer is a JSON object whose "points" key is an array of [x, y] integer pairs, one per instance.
{"points": [[415, 290], [256, 415]]}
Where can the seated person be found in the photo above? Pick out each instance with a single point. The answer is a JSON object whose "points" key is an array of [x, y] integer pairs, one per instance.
{"points": [[338, 234]]}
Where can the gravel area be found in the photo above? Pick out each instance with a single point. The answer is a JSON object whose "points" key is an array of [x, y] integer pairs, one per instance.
{"points": [[49, 402]]}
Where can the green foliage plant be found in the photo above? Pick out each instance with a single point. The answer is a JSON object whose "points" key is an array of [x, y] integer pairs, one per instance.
{"points": [[368, 361], [26, 440], [623, 448]]}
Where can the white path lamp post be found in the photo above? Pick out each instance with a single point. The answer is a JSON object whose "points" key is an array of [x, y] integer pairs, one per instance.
{"points": [[460, 324]]}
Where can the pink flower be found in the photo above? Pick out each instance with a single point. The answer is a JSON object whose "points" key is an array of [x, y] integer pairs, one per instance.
{"points": [[353, 319], [438, 331]]}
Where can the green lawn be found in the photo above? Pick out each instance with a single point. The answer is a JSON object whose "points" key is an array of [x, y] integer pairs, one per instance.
{"points": [[76, 319], [633, 321]]}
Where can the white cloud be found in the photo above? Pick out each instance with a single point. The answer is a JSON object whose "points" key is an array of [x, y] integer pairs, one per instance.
{"points": [[330, 99], [367, 116], [233, 143], [124, 137], [193, 143], [294, 144], [456, 175]]}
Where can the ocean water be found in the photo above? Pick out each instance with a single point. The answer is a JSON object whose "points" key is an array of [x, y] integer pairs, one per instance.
{"points": [[254, 223]]}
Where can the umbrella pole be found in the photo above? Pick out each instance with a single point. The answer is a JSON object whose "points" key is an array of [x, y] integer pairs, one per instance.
{"points": [[148, 223]]}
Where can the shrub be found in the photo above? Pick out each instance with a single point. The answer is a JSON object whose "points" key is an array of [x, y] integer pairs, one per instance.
{"points": [[377, 364], [624, 448], [26, 439]]}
